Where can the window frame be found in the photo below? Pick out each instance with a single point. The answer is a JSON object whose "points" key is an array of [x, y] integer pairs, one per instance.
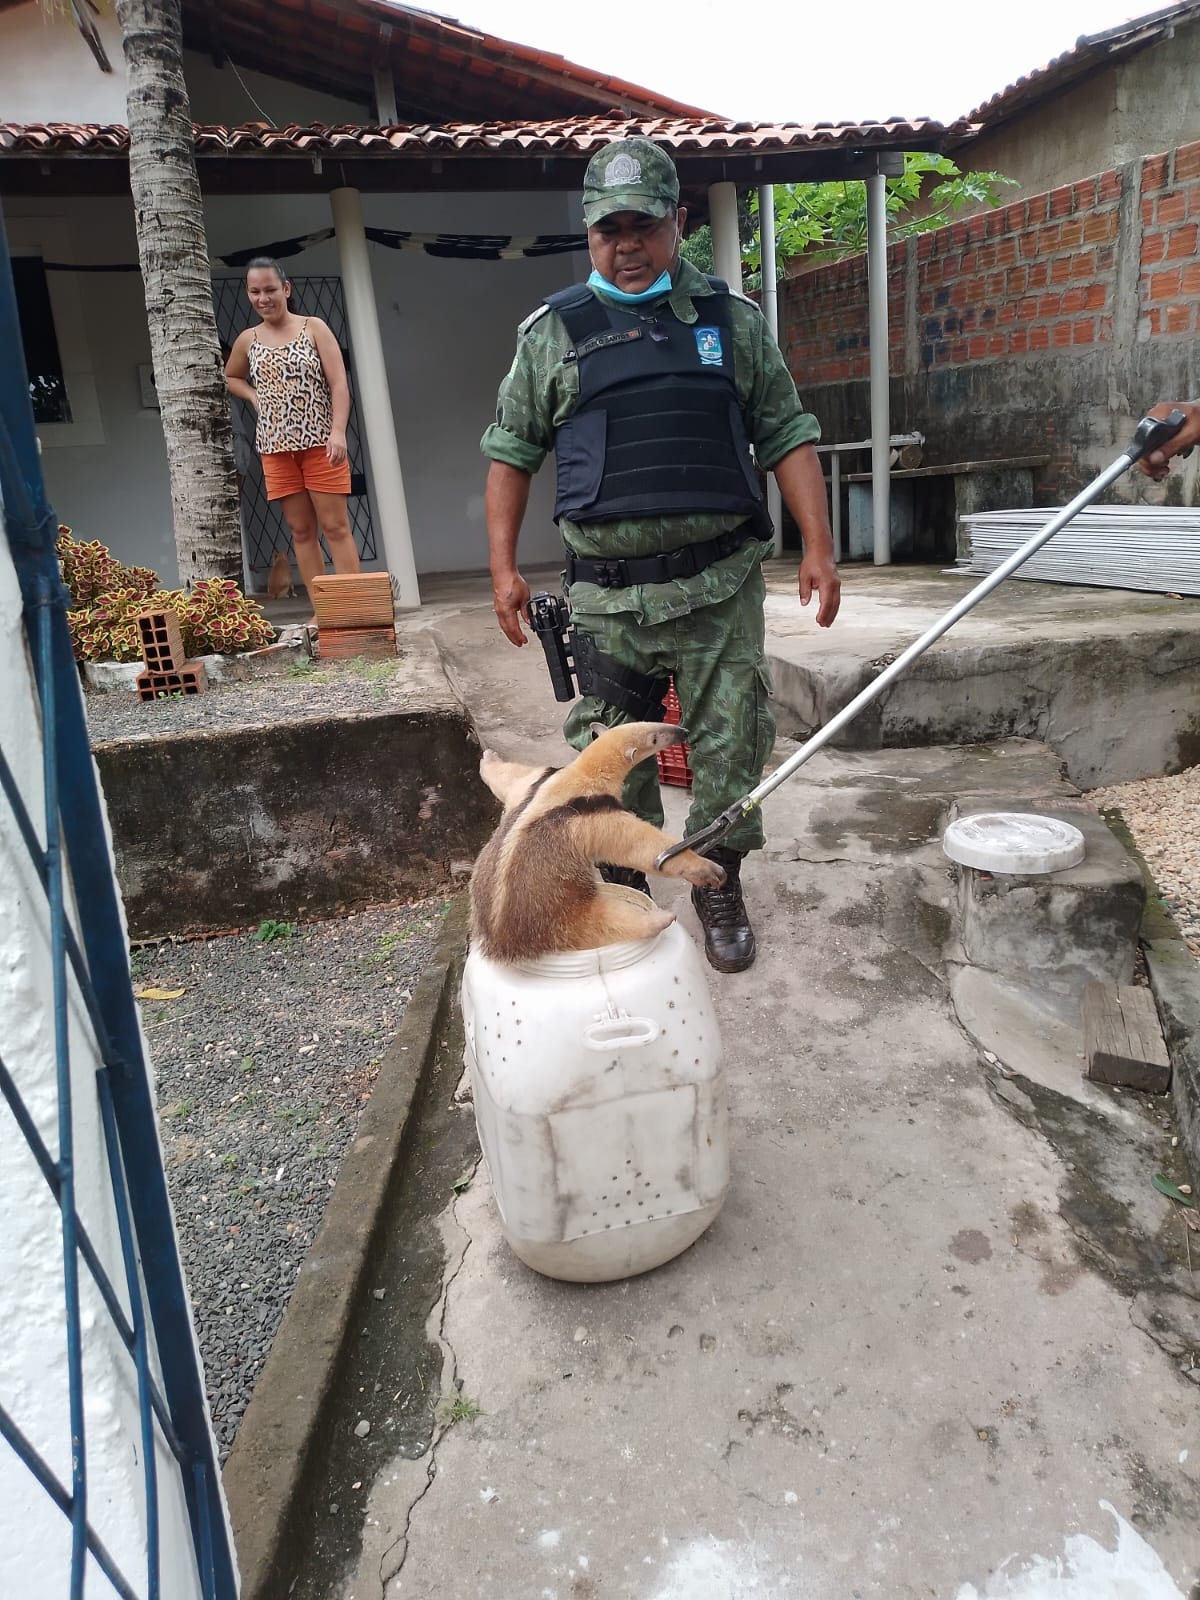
{"points": [[50, 239]]}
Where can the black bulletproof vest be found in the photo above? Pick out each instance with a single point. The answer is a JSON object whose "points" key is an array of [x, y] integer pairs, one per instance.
{"points": [[657, 429]]}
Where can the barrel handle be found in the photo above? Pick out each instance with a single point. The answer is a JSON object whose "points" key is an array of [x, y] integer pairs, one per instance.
{"points": [[620, 1032]]}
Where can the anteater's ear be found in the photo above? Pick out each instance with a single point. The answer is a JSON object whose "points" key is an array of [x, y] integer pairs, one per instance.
{"points": [[597, 729]]}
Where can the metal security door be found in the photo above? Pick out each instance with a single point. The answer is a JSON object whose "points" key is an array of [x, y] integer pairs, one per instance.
{"points": [[144, 1318], [265, 529]]}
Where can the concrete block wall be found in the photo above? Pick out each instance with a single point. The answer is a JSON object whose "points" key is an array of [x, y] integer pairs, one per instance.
{"points": [[1042, 327]]}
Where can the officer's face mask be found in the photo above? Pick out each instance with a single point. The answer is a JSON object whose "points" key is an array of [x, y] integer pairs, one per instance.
{"points": [[660, 286]]}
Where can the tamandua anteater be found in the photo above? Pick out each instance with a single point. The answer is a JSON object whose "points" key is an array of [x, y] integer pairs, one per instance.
{"points": [[535, 889]]}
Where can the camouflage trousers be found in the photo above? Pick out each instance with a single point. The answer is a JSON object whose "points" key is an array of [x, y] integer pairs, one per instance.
{"points": [[721, 676]]}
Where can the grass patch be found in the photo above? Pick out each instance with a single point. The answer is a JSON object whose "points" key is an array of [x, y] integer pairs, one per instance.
{"points": [[459, 1409]]}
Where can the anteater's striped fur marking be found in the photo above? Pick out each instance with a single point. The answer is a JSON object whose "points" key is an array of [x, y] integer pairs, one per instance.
{"points": [[535, 888]]}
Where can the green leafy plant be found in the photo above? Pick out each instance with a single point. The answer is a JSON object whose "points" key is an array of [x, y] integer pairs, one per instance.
{"points": [[269, 929], [90, 570], [298, 1116], [215, 618], [826, 221]]}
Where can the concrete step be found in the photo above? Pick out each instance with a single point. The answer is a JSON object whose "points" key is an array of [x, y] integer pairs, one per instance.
{"points": [[1115, 706]]}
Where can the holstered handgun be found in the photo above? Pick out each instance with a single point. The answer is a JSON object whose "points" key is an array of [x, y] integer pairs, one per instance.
{"points": [[572, 655]]}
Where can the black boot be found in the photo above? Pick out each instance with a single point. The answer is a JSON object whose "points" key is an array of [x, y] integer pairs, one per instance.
{"points": [[728, 936], [628, 877]]}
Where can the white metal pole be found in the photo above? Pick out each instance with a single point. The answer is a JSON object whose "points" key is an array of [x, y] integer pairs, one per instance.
{"points": [[878, 327], [770, 308], [371, 392], [766, 240], [720, 826], [723, 221]]}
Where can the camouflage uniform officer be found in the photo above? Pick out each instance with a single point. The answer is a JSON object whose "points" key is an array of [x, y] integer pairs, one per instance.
{"points": [[650, 383]]}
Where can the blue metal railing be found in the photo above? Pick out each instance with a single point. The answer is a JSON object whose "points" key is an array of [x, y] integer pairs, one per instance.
{"points": [[75, 843]]}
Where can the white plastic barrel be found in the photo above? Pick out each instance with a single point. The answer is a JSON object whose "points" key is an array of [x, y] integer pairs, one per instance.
{"points": [[600, 1102]]}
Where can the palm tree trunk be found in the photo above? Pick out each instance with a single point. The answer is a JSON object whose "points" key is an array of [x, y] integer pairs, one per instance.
{"points": [[175, 274]]}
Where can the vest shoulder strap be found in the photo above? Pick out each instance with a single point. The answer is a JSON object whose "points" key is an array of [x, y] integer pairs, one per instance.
{"points": [[580, 311]]}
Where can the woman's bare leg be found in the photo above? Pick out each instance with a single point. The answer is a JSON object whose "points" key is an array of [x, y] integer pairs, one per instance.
{"points": [[301, 518], [334, 517]]}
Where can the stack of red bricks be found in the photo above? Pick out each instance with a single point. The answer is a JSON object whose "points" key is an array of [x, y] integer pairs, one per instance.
{"points": [[168, 671], [355, 615]]}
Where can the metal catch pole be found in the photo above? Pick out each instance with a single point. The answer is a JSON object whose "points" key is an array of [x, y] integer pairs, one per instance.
{"points": [[1151, 432]]}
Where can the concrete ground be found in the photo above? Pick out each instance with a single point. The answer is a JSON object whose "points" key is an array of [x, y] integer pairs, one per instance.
{"points": [[943, 1339]]}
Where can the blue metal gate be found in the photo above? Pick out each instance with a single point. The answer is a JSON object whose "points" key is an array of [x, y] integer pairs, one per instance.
{"points": [[73, 848]]}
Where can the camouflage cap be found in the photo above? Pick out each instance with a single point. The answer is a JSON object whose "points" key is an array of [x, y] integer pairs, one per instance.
{"points": [[629, 175]]}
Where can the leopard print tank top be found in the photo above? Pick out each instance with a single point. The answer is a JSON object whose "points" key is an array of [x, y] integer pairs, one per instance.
{"points": [[295, 408]]}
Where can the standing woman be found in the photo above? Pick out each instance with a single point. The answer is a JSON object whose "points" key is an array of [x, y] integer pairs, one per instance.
{"points": [[291, 371]]}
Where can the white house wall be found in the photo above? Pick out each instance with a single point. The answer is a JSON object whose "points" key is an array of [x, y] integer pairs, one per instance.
{"points": [[47, 72], [50, 75], [112, 487], [448, 327], [35, 1551], [449, 331], [231, 94]]}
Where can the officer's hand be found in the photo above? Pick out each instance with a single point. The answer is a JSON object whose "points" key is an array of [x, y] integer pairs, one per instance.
{"points": [[1156, 464], [820, 574], [510, 602]]}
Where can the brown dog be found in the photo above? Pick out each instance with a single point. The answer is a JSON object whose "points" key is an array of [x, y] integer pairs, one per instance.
{"points": [[535, 889]]}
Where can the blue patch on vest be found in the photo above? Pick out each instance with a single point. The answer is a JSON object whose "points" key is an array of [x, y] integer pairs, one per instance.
{"points": [[708, 344]]}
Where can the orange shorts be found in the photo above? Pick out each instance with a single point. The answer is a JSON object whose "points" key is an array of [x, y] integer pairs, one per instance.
{"points": [[288, 471]]}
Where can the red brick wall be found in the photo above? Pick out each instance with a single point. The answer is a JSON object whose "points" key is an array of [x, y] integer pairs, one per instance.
{"points": [[1170, 261], [1038, 275]]}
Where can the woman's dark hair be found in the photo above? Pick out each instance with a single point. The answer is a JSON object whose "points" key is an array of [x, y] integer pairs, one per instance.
{"points": [[270, 263]]}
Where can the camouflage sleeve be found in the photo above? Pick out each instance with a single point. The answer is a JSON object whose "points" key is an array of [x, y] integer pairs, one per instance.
{"points": [[775, 419], [523, 432]]}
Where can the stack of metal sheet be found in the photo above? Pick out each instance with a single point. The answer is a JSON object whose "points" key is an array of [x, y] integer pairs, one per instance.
{"points": [[1156, 548]]}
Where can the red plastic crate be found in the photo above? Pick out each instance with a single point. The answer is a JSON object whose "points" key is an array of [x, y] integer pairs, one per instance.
{"points": [[673, 763]]}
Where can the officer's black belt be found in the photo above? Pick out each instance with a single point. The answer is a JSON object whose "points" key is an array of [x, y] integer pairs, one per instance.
{"points": [[634, 692], [685, 562]]}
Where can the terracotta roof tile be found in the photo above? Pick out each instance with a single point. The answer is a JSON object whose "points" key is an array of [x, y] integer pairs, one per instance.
{"points": [[566, 136]]}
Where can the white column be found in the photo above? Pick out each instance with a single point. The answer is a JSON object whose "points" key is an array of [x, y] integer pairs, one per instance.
{"points": [[878, 327], [723, 220], [371, 392], [770, 307]]}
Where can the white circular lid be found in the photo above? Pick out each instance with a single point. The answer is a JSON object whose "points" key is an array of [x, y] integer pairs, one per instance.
{"points": [[1013, 841]]}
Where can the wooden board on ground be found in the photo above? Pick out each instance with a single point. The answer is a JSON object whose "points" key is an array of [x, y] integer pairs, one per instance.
{"points": [[340, 644], [1123, 1038], [353, 600]]}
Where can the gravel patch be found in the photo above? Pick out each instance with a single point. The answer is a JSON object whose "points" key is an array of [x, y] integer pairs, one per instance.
{"points": [[1163, 815], [306, 690], [262, 1066]]}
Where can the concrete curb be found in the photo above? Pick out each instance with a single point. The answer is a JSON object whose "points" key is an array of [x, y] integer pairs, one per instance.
{"points": [[272, 1473], [1175, 981]]}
